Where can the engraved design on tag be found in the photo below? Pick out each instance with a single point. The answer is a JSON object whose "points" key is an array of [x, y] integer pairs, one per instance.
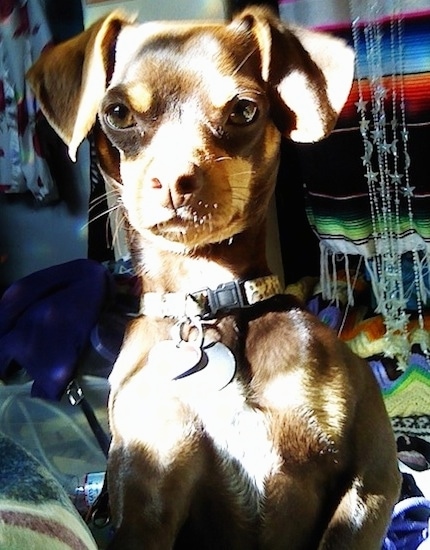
{"points": [[211, 367], [215, 370]]}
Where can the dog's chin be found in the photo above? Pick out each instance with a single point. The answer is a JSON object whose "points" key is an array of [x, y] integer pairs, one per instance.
{"points": [[180, 234], [192, 235]]}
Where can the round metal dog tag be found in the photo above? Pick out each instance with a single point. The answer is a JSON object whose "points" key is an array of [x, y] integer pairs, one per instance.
{"points": [[197, 369], [215, 370], [173, 359], [221, 366]]}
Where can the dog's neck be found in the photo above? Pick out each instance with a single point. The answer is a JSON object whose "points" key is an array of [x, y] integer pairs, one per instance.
{"points": [[167, 267], [204, 282]]}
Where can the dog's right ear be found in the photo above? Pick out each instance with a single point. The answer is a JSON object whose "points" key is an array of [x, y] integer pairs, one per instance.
{"points": [[69, 79]]}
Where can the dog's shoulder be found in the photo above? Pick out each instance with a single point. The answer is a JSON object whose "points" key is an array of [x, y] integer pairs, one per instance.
{"points": [[283, 326], [300, 367]]}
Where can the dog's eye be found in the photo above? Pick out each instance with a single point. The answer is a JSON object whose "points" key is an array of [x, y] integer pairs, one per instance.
{"points": [[244, 112], [118, 116]]}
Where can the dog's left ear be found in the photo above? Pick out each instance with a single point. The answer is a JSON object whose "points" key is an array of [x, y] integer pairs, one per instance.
{"points": [[309, 73]]}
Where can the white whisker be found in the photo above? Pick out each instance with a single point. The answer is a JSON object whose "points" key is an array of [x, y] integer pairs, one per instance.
{"points": [[119, 222], [219, 159], [242, 63], [99, 200], [101, 215]]}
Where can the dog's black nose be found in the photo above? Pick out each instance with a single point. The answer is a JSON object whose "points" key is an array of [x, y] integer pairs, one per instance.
{"points": [[187, 184], [177, 191]]}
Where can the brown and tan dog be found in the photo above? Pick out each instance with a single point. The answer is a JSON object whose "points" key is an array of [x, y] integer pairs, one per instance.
{"points": [[238, 419]]}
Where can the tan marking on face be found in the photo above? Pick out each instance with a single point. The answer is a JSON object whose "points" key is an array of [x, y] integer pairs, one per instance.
{"points": [[140, 97], [239, 173], [272, 141], [216, 76], [221, 88]]}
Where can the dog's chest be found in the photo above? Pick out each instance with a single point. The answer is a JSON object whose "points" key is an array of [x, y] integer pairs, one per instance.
{"points": [[167, 417], [240, 436], [245, 455]]}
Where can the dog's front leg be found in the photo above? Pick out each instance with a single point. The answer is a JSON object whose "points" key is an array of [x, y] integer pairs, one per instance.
{"points": [[359, 522], [157, 457], [150, 503], [363, 514]]}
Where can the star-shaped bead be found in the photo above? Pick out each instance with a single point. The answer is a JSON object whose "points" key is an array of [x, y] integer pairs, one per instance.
{"points": [[396, 177], [385, 147], [408, 191], [364, 127], [405, 135], [361, 105], [371, 176], [376, 134]]}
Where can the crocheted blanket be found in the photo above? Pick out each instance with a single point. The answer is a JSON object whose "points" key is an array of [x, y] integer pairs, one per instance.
{"points": [[405, 387]]}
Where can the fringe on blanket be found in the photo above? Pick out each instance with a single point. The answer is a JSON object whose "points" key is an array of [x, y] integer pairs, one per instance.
{"points": [[332, 261], [335, 259]]}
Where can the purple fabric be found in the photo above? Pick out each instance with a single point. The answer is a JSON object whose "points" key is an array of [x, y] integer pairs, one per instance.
{"points": [[409, 525], [46, 319]]}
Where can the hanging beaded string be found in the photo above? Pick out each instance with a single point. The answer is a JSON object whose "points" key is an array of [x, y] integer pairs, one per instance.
{"points": [[404, 189], [381, 162], [395, 177], [421, 336], [370, 175], [394, 304]]}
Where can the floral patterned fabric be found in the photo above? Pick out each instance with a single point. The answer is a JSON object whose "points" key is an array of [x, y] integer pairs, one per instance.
{"points": [[24, 33]]}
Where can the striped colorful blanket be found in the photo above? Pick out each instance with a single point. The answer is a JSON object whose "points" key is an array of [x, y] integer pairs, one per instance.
{"points": [[333, 171], [35, 511]]}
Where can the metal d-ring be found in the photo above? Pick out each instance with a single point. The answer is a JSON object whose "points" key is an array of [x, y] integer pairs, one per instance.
{"points": [[189, 323]]}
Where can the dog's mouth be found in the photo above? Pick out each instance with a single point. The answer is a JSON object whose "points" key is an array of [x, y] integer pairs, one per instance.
{"points": [[196, 226], [185, 219]]}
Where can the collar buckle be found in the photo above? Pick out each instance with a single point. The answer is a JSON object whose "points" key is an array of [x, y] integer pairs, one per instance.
{"points": [[226, 297]]}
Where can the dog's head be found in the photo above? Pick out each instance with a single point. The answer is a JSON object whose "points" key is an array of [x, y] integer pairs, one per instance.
{"points": [[188, 116]]}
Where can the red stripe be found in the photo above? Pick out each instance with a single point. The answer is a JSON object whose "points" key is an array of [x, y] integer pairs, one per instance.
{"points": [[416, 93], [44, 526]]}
